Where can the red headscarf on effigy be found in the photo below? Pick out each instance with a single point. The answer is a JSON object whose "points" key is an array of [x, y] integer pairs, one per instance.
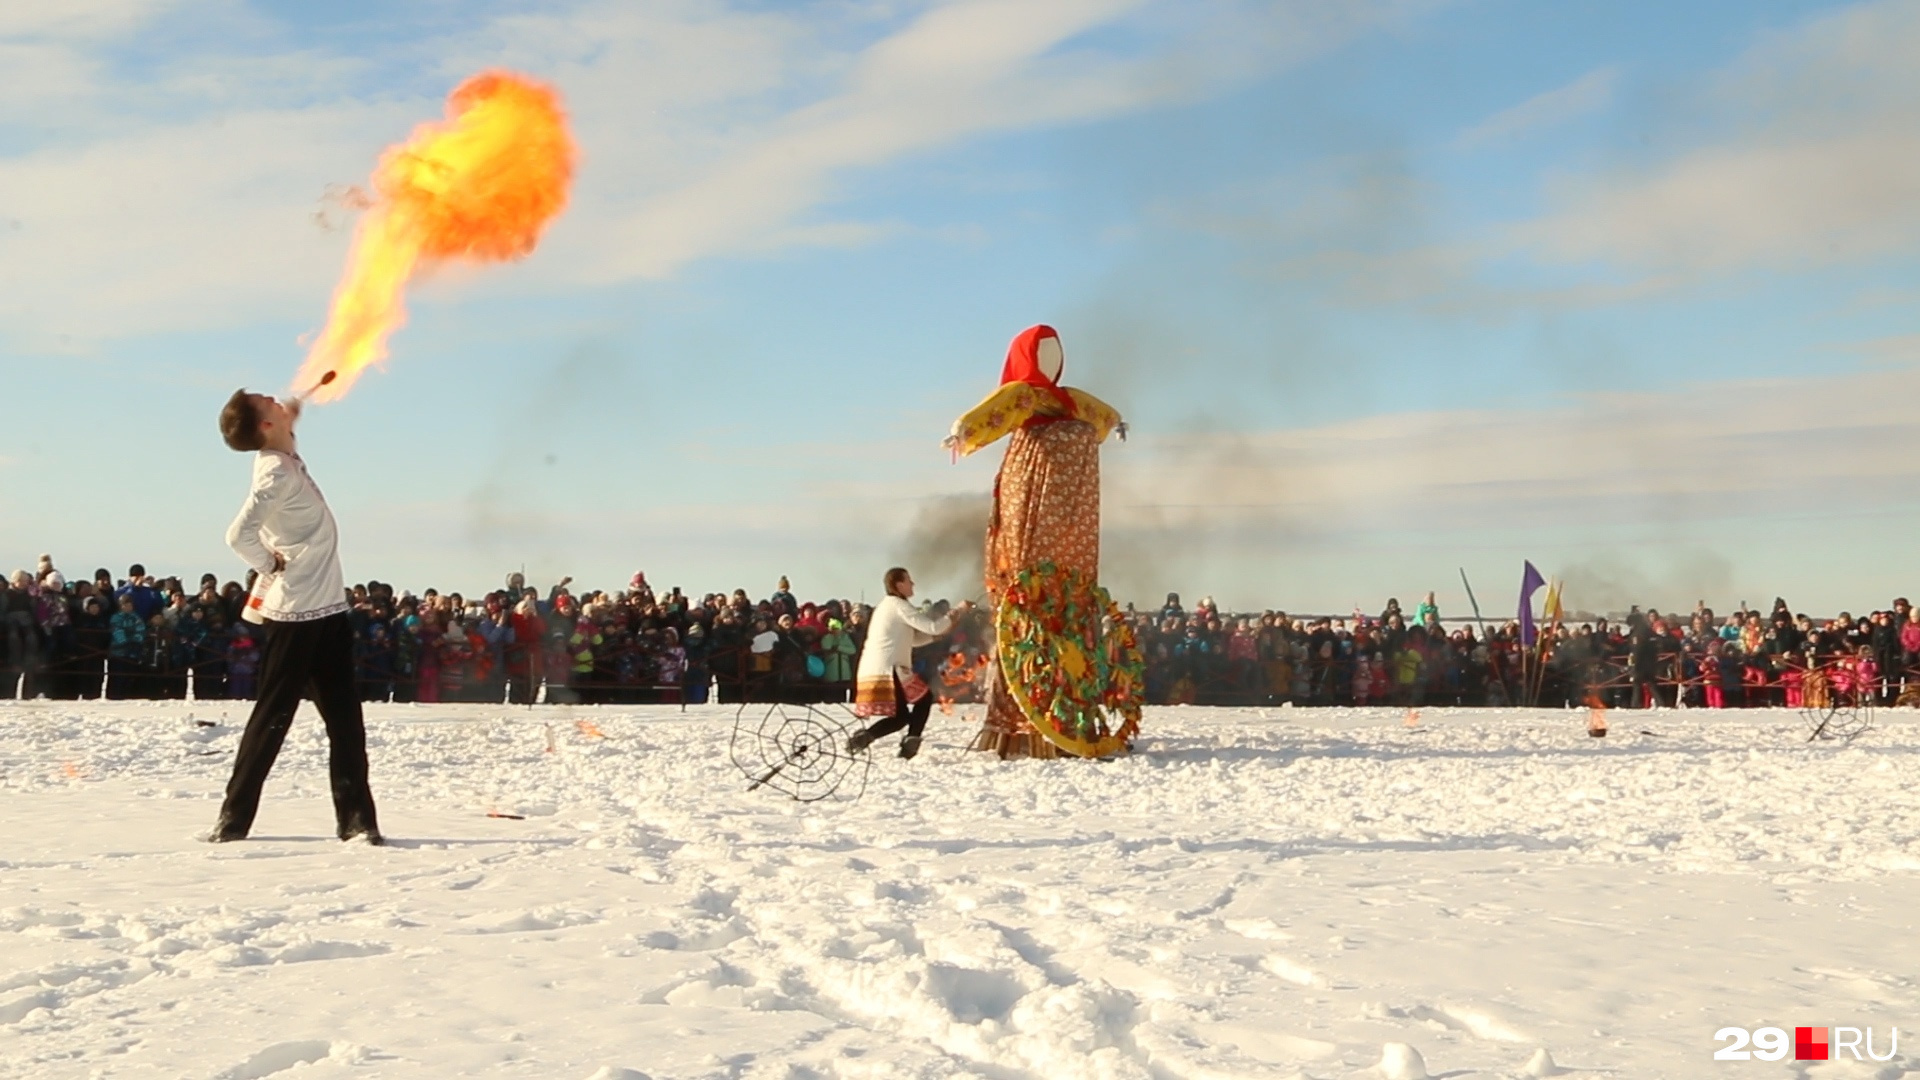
{"points": [[1023, 365]]}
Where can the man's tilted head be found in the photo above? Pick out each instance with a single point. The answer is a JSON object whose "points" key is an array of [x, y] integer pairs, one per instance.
{"points": [[240, 422]]}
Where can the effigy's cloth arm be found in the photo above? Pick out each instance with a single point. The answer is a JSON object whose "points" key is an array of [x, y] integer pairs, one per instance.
{"points": [[1015, 405]]}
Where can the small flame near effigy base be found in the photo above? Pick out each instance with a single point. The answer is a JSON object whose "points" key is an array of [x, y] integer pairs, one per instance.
{"points": [[1596, 718]]}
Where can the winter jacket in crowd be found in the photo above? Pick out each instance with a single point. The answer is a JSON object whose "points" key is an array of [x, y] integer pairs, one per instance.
{"points": [[836, 653], [129, 636]]}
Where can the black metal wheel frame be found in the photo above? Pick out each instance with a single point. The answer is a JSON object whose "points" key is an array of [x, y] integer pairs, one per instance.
{"points": [[1841, 719], [799, 750]]}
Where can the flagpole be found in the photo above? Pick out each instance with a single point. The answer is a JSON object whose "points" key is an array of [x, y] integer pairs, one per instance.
{"points": [[1526, 670], [1542, 643], [1539, 665], [1486, 636], [1556, 604], [1539, 668], [1530, 582]]}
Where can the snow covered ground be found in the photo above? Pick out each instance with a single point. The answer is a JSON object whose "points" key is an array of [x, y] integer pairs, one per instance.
{"points": [[1256, 893]]}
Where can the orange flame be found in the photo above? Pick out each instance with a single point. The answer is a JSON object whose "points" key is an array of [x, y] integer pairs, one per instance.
{"points": [[480, 186]]}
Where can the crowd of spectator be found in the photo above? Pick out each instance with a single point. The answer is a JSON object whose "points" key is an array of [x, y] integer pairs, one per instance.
{"points": [[143, 636], [147, 637], [1643, 658]]}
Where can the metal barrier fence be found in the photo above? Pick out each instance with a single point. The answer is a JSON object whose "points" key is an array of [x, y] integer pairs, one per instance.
{"points": [[735, 674]]}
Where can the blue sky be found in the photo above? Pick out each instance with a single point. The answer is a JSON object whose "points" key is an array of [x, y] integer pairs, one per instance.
{"points": [[1385, 289]]}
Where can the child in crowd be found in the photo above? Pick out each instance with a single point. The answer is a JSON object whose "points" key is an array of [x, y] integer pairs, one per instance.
{"points": [[1407, 674], [1710, 677], [1866, 674], [671, 664], [243, 663], [126, 651]]}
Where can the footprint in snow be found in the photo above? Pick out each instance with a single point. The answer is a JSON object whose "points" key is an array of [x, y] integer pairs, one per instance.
{"points": [[547, 919], [329, 950], [701, 938], [718, 903], [971, 995], [278, 1058], [902, 891]]}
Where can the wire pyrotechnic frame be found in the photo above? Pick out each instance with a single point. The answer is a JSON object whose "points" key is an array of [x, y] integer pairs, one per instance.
{"points": [[798, 750]]}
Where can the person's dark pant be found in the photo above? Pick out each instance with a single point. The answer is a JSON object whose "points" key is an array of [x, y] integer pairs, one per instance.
{"points": [[584, 688], [123, 675], [210, 680], [912, 717], [312, 660], [372, 686], [693, 688], [521, 689], [89, 678]]}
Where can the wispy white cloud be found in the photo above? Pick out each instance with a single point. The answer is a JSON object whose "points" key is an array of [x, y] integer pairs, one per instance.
{"points": [[184, 199], [960, 70], [957, 71], [178, 227], [1638, 482], [1297, 516], [1814, 160], [1800, 154], [1762, 443], [78, 19], [1763, 203], [1588, 94]]}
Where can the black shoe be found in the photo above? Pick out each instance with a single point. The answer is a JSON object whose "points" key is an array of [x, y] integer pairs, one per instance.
{"points": [[909, 746], [222, 836], [859, 741], [357, 829]]}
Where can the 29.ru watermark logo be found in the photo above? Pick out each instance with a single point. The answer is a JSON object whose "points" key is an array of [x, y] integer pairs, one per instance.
{"points": [[1808, 1044]]}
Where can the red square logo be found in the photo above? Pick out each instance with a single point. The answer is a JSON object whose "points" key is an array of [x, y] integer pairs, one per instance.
{"points": [[1809, 1044]]}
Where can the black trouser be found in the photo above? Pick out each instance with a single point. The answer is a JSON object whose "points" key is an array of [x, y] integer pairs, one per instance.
{"points": [[912, 717], [521, 688], [123, 677], [311, 660]]}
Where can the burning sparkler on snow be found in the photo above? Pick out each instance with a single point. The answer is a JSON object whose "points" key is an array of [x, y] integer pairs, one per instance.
{"points": [[479, 186]]}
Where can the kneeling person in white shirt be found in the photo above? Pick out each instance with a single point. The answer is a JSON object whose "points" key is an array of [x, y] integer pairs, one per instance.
{"points": [[286, 532], [885, 685]]}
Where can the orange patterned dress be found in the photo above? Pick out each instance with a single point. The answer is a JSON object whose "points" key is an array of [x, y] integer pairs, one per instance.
{"points": [[1046, 506]]}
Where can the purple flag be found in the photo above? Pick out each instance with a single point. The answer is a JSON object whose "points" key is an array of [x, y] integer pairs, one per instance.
{"points": [[1530, 583]]}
